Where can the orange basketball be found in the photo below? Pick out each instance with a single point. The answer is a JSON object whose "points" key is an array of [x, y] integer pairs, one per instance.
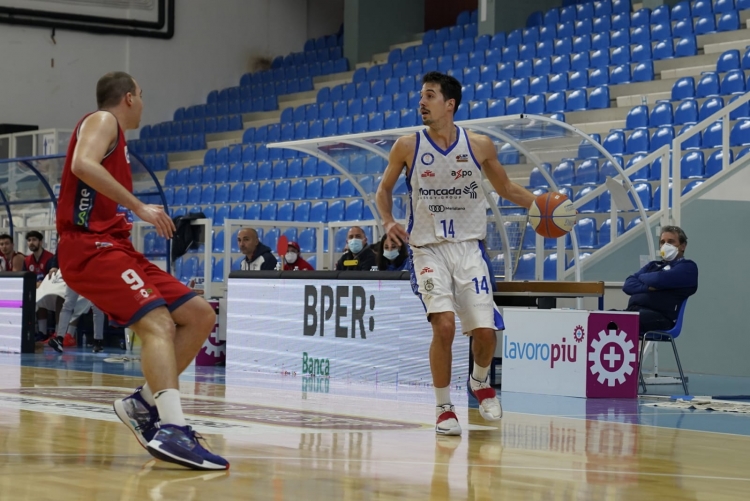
{"points": [[552, 215]]}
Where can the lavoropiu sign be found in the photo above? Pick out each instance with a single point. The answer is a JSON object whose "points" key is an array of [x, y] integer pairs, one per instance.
{"points": [[571, 352], [368, 331]]}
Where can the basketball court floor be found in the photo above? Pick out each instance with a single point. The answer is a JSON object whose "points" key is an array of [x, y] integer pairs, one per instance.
{"points": [[295, 438]]}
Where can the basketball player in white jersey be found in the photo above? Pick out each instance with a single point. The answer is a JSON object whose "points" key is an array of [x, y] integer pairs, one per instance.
{"points": [[450, 270]]}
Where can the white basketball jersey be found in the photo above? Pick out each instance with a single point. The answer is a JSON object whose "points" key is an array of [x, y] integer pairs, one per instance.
{"points": [[445, 192]]}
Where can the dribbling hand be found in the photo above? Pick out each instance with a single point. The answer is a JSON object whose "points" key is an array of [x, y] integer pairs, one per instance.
{"points": [[396, 233], [155, 215]]}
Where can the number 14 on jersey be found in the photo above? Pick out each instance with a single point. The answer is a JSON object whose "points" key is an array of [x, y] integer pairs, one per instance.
{"points": [[448, 228]]}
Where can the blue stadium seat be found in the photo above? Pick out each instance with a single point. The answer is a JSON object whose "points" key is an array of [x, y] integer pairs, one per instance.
{"points": [[615, 142], [253, 212], [662, 136], [643, 72], [222, 194], [319, 212], [331, 188], [586, 234], [740, 133], [729, 21], [712, 135], [661, 114], [587, 172], [642, 174], [683, 88], [354, 210], [733, 82], [590, 206], [564, 173], [714, 164], [710, 106], [281, 192], [620, 74], [266, 191], [692, 165], [686, 112], [687, 46], [638, 141], [579, 79], [556, 102], [496, 108], [664, 50], [729, 60], [576, 101], [599, 98], [637, 117], [558, 82], [606, 229]]}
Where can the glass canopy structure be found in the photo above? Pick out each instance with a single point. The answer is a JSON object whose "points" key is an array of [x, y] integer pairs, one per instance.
{"points": [[523, 143]]}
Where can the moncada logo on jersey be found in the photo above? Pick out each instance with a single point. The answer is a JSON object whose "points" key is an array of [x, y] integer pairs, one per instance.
{"points": [[453, 193]]}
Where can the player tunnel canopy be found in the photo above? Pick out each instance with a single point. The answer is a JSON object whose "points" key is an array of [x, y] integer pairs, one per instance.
{"points": [[29, 188], [523, 142]]}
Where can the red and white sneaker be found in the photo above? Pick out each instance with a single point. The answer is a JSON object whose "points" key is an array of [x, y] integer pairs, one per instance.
{"points": [[447, 421], [489, 405]]}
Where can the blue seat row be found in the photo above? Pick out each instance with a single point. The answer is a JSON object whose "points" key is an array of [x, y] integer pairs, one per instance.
{"points": [[710, 84], [688, 111], [168, 144]]}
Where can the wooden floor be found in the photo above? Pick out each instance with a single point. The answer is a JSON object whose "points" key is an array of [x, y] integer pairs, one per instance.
{"points": [[61, 441]]}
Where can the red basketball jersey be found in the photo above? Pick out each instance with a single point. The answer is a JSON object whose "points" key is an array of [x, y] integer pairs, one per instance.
{"points": [[80, 208]]}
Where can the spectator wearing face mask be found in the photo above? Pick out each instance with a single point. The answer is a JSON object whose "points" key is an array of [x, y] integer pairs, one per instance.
{"points": [[293, 261], [658, 289], [358, 256], [392, 257]]}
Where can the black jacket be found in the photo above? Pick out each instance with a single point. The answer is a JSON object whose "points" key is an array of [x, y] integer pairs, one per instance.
{"points": [[365, 260], [262, 259], [672, 282]]}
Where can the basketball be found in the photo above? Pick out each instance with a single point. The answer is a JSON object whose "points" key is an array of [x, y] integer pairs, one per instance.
{"points": [[552, 215]]}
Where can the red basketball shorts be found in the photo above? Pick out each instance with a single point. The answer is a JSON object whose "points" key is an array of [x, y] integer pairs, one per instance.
{"points": [[117, 278]]}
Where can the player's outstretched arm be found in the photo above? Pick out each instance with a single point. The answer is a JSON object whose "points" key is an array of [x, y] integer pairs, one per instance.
{"points": [[384, 196], [97, 135], [486, 153]]}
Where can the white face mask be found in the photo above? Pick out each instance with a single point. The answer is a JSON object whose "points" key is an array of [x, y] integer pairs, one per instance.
{"points": [[668, 252], [390, 254], [290, 257]]}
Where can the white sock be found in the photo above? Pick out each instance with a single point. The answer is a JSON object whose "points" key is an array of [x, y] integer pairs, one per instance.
{"points": [[42, 324], [72, 330], [443, 395], [147, 395], [479, 374], [170, 408]]}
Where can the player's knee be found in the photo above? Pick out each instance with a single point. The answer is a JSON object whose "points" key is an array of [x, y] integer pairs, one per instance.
{"points": [[207, 318], [443, 327]]}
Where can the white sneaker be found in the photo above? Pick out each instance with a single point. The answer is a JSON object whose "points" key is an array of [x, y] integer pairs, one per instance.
{"points": [[489, 405], [447, 421]]}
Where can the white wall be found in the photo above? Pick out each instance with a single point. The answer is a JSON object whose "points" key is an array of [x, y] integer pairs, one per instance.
{"points": [[213, 46]]}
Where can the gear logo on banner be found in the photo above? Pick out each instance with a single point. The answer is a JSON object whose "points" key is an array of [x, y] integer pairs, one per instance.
{"points": [[579, 333], [611, 364]]}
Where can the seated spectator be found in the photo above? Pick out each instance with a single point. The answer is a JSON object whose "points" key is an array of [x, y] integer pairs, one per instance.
{"points": [[293, 261], [12, 260], [391, 257], [258, 256], [38, 261], [358, 255], [658, 289]]}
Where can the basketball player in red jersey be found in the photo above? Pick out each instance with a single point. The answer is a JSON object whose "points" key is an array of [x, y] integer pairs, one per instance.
{"points": [[99, 262], [13, 260]]}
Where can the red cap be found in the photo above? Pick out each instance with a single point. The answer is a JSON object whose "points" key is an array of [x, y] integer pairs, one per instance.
{"points": [[294, 245]]}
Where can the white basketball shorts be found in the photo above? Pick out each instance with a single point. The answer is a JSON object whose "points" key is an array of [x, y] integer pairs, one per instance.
{"points": [[455, 276]]}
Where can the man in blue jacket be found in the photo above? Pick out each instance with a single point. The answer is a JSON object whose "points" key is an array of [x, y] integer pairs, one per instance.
{"points": [[658, 289]]}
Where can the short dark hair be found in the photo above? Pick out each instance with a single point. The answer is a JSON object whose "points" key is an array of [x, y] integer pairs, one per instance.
{"points": [[450, 88], [34, 234], [5, 236], [677, 231], [111, 88]]}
